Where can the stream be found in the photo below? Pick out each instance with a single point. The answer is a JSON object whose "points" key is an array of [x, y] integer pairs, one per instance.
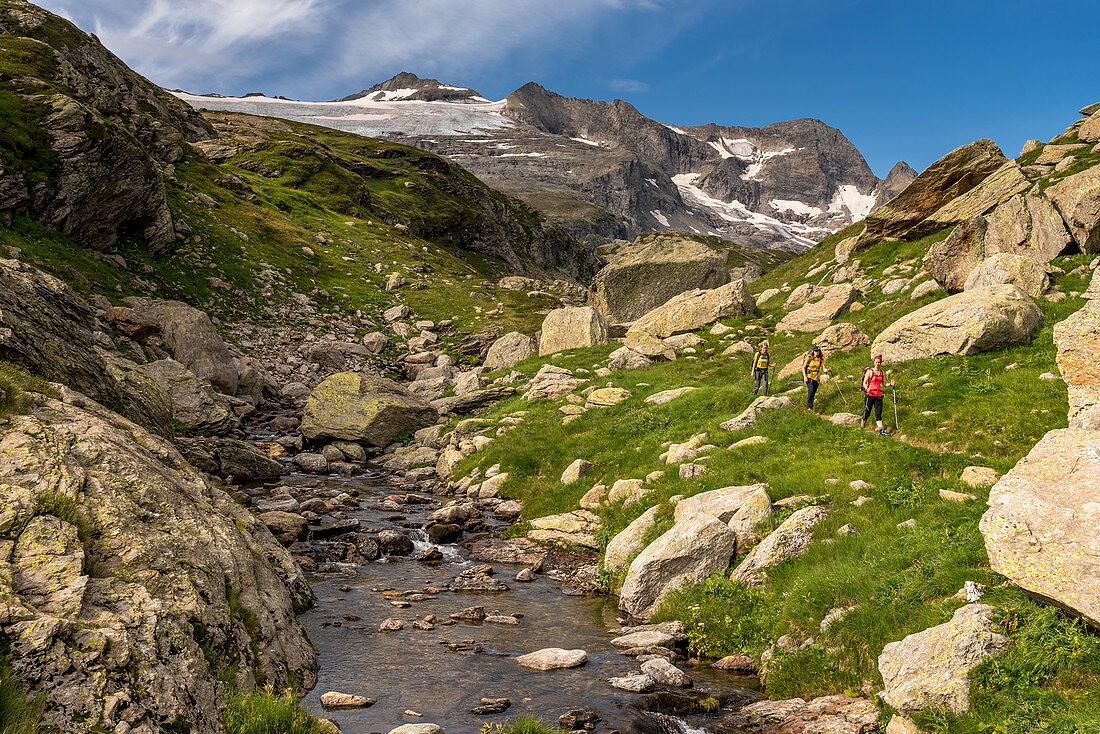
{"points": [[444, 671]]}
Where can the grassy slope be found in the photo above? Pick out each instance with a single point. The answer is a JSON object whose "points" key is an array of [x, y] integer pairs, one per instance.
{"points": [[968, 411]]}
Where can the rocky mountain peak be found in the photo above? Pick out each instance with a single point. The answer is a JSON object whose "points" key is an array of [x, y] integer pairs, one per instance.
{"points": [[406, 86]]}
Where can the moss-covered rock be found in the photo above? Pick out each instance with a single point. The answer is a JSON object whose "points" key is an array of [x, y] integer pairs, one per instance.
{"points": [[363, 408]]}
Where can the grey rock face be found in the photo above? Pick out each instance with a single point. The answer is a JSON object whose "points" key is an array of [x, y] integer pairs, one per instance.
{"points": [[194, 404], [931, 668], [156, 550]]}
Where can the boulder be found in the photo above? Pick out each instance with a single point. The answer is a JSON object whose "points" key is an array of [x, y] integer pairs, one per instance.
{"points": [[1077, 339], [951, 260], [688, 552], [646, 636], [819, 314], [1001, 185], [1040, 528], [922, 290], [693, 310], [575, 471], [630, 541], [648, 346], [666, 674], [979, 476], [417, 729], [789, 540], [172, 554], [605, 397], [1005, 268], [626, 490], [1077, 199], [194, 405], [288, 527], [839, 714], [625, 358], [49, 330], [552, 383], [667, 396], [336, 701], [640, 683], [229, 458], [569, 528], [802, 295], [652, 270], [350, 406], [1027, 224], [955, 174], [509, 350], [1090, 128], [191, 339], [975, 321], [553, 658], [376, 342], [841, 338], [570, 328], [1048, 238], [930, 669], [750, 414], [720, 503]]}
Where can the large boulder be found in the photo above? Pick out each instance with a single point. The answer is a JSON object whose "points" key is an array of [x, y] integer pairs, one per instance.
{"points": [[1078, 341], [695, 309], [509, 350], [749, 415], [688, 552], [931, 669], [951, 176], [350, 406], [629, 541], [1077, 199], [1027, 225], [721, 503], [194, 405], [652, 270], [229, 459], [124, 567], [1040, 528], [572, 327], [1005, 268], [191, 338], [577, 528], [48, 329], [819, 314], [1001, 185], [841, 338], [951, 260], [789, 540], [978, 320]]}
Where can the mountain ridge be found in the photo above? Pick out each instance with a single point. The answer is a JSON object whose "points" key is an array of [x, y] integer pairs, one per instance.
{"points": [[604, 171]]}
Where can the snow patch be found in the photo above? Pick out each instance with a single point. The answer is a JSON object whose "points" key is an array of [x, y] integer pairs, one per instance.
{"points": [[522, 155], [391, 95], [674, 129], [652, 182], [660, 217], [795, 207], [848, 197], [586, 141]]}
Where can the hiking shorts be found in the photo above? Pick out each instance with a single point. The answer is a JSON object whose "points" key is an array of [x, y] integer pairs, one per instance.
{"points": [[872, 403]]}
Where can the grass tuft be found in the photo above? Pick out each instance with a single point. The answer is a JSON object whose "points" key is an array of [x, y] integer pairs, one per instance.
{"points": [[267, 711]]}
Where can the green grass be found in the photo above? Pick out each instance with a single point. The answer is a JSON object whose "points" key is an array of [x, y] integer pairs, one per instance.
{"points": [[524, 724], [267, 711], [20, 713], [15, 383]]}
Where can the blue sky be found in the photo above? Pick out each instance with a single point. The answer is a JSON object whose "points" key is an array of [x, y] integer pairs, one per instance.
{"points": [[902, 80]]}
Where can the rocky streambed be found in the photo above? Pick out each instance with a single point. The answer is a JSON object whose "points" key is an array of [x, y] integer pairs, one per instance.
{"points": [[431, 631]]}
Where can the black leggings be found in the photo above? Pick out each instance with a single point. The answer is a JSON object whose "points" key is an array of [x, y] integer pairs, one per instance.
{"points": [[874, 403]]}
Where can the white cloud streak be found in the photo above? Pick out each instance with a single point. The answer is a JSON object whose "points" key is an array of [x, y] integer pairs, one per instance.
{"points": [[218, 45]]}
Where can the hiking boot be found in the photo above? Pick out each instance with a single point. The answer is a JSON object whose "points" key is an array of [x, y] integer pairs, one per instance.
{"points": [[883, 432]]}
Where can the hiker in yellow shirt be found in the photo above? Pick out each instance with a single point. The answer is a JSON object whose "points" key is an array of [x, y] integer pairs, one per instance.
{"points": [[813, 364], [761, 361]]}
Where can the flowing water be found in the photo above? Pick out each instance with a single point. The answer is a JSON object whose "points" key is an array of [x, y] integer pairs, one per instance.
{"points": [[443, 672]]}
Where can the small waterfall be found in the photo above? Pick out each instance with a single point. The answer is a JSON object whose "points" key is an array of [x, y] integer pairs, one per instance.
{"points": [[451, 553]]}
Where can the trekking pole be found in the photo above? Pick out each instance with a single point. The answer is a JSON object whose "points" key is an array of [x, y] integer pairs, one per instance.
{"points": [[836, 382], [895, 391]]}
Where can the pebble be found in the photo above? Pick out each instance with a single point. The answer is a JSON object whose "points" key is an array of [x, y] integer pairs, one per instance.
{"points": [[391, 625]]}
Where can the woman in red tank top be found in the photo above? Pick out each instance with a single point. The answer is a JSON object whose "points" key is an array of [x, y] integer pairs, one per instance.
{"points": [[873, 382]]}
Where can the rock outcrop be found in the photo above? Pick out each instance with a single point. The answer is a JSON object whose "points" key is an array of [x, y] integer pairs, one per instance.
{"points": [[978, 320], [1004, 268], [1040, 528], [905, 216], [101, 136], [122, 565], [194, 405], [629, 541], [930, 669], [191, 338], [570, 328], [1077, 199], [509, 350], [693, 310], [351, 406], [1078, 341], [789, 540], [46, 328], [688, 552], [819, 314], [651, 271]]}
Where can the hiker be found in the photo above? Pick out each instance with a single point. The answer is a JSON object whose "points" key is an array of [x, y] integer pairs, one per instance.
{"points": [[813, 364], [761, 361], [873, 382]]}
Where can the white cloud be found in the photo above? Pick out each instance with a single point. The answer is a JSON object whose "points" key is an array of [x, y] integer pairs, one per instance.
{"points": [[628, 85], [219, 45]]}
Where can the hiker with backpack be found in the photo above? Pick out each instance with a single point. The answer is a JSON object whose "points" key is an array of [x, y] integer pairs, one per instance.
{"points": [[761, 362], [873, 382], [813, 364]]}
